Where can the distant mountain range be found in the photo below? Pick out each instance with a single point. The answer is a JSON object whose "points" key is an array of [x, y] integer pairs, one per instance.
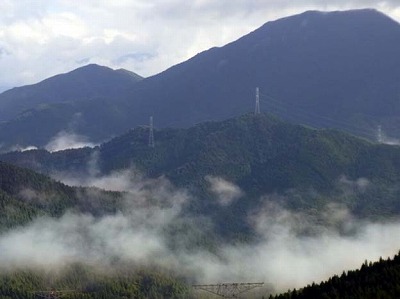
{"points": [[338, 69]]}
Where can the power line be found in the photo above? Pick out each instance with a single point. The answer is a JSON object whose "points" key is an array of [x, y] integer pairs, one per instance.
{"points": [[301, 113]]}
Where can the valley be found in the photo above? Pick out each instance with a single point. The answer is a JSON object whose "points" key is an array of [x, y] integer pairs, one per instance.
{"points": [[95, 202]]}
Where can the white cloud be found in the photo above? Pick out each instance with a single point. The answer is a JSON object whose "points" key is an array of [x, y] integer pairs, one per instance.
{"points": [[45, 38], [65, 24], [65, 140], [225, 191], [290, 250], [23, 149], [360, 185]]}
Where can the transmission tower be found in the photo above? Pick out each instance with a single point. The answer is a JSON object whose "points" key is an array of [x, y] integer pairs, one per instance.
{"points": [[228, 290], [257, 110], [380, 137], [151, 133]]}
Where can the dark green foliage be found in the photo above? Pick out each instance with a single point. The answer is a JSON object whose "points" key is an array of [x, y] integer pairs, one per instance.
{"points": [[25, 195], [84, 83], [60, 101], [372, 281], [82, 281], [262, 155], [301, 168]]}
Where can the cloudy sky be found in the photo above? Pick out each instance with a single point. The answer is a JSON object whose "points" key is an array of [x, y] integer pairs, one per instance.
{"points": [[41, 38]]}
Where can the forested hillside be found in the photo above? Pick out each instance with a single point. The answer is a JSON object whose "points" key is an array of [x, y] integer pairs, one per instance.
{"points": [[262, 155], [87, 282], [378, 280], [26, 195], [85, 83], [26, 198]]}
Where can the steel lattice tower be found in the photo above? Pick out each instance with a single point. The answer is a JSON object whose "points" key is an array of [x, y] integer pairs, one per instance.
{"points": [[151, 133], [228, 290], [380, 137], [257, 110], [54, 294]]}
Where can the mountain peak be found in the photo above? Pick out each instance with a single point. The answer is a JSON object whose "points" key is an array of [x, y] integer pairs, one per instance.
{"points": [[362, 12], [96, 68], [368, 14], [86, 82], [355, 16], [130, 73]]}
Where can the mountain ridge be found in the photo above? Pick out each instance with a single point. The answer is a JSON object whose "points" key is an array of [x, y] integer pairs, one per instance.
{"points": [[26, 195], [336, 69], [82, 83], [304, 168]]}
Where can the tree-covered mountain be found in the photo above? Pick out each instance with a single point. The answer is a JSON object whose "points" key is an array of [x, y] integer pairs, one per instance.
{"points": [[85, 83], [33, 114], [28, 199], [307, 168], [338, 69], [26, 195], [303, 168], [373, 280]]}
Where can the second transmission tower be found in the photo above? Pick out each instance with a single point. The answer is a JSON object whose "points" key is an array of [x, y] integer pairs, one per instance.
{"points": [[380, 135], [257, 110], [151, 133]]}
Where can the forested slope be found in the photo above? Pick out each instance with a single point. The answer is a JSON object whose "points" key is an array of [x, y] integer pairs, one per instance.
{"points": [[26, 195], [27, 198], [379, 280], [264, 156], [86, 282]]}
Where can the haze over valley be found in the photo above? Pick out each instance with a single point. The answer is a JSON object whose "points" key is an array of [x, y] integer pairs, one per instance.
{"points": [[99, 201]]}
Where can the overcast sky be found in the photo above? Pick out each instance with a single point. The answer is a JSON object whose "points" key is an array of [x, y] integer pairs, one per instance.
{"points": [[41, 38]]}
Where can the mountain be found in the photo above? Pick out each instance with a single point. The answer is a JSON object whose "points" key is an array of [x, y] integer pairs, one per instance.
{"points": [[26, 195], [303, 168], [337, 69], [87, 82], [325, 63], [372, 280]]}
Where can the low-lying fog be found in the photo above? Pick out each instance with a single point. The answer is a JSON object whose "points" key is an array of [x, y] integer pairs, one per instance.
{"points": [[281, 256]]}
